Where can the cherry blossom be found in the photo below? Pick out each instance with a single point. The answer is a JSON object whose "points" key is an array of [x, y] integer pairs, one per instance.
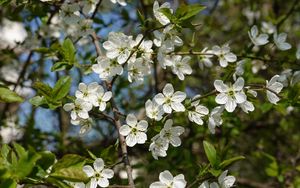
{"points": [[98, 174], [134, 131], [224, 54], [79, 109], [170, 100], [171, 134], [166, 180], [280, 41], [273, 88], [256, 38], [153, 110], [231, 95]]}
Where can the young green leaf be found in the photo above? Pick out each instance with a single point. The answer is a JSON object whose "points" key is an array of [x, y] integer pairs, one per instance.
{"points": [[211, 153], [6, 95], [228, 162], [62, 87]]}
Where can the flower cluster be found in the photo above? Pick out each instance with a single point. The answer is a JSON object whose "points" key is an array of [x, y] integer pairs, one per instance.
{"points": [[224, 181], [166, 180], [87, 96], [262, 39], [168, 134]]}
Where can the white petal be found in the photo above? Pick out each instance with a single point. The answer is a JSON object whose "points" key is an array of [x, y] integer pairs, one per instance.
{"points": [[178, 96], [131, 120], [98, 164], [239, 84], [131, 140], [157, 185], [167, 108], [168, 90], [175, 141], [69, 106], [142, 125], [103, 182], [230, 105], [220, 86], [125, 130], [240, 97], [178, 107], [159, 98], [108, 173], [221, 98], [166, 177], [107, 96], [141, 137], [272, 97], [88, 170]]}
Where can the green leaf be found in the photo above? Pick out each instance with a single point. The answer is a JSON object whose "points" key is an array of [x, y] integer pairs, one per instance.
{"points": [[185, 12], [62, 87], [70, 168], [211, 153], [61, 65], [42, 89], [6, 95], [228, 162], [38, 101], [47, 159], [8, 183], [69, 51]]}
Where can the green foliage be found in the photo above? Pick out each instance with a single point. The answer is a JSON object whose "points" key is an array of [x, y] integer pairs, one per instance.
{"points": [[211, 153], [183, 15], [6, 95], [70, 168], [51, 97]]}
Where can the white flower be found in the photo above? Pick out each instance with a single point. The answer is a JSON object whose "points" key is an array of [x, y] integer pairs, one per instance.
{"points": [[134, 130], [205, 59], [101, 98], [107, 68], [230, 95], [79, 108], [121, 2], [86, 124], [258, 39], [87, 93], [239, 69], [215, 119], [224, 54], [171, 134], [88, 6], [180, 66], [158, 147], [70, 13], [226, 181], [279, 40], [197, 112], [99, 175], [170, 100], [85, 27], [144, 49], [159, 15], [153, 110], [274, 87], [10, 131], [268, 27], [118, 46], [137, 70], [166, 180], [298, 52]]}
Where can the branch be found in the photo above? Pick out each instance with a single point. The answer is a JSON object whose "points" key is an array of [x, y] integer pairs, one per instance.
{"points": [[116, 120]]}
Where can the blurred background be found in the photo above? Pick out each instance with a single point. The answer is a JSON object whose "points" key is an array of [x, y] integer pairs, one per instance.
{"points": [[269, 137]]}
